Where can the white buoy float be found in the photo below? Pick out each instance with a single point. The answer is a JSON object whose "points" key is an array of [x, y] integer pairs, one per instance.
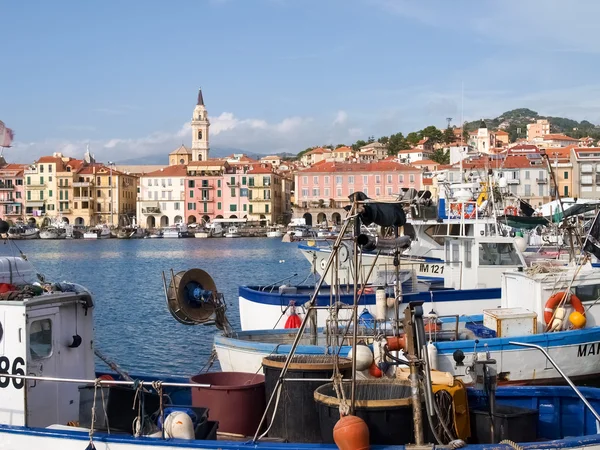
{"points": [[364, 357]]}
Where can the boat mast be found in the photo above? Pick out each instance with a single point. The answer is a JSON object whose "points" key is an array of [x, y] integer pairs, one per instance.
{"points": [[560, 204]]}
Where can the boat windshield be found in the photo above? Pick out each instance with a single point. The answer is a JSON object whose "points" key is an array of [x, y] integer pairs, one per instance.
{"points": [[498, 254]]}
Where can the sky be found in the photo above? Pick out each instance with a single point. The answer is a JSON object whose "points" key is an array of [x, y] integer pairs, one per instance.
{"points": [[283, 75]]}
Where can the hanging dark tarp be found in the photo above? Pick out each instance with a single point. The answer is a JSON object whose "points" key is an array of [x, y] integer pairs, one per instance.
{"points": [[526, 208], [522, 222], [382, 214], [592, 240]]}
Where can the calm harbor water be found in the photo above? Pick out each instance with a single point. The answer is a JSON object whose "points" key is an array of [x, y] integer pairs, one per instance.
{"points": [[131, 322]]}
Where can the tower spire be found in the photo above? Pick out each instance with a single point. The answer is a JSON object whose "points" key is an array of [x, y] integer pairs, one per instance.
{"points": [[200, 98]]}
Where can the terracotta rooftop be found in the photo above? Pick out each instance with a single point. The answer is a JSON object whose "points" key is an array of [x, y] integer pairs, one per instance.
{"points": [[559, 137], [344, 149], [501, 133], [179, 170], [261, 168], [377, 166], [425, 162], [318, 151], [412, 150], [270, 157], [427, 181]]}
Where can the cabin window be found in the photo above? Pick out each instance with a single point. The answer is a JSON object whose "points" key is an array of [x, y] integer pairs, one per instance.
{"points": [[590, 292], [467, 254], [498, 254], [40, 339]]}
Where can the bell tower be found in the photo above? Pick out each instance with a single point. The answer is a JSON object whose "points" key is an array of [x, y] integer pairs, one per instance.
{"points": [[200, 125]]}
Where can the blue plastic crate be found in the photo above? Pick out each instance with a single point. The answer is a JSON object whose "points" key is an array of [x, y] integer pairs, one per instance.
{"points": [[480, 330]]}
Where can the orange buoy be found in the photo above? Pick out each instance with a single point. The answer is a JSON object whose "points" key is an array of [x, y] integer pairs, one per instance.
{"points": [[106, 377], [375, 371], [556, 299], [395, 343], [351, 433], [511, 211]]}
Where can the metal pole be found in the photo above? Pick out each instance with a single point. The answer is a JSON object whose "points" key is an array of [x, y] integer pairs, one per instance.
{"points": [[354, 312], [300, 332], [562, 374]]}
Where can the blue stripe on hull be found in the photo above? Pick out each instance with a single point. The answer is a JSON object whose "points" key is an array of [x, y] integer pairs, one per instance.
{"points": [[251, 293]]}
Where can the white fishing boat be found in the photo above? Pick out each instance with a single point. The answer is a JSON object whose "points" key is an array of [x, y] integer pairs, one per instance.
{"points": [[215, 229], [21, 231], [175, 231], [233, 232], [53, 233], [98, 232], [274, 232]]}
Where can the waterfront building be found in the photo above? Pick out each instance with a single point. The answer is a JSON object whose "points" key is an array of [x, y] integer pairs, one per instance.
{"points": [[341, 154], [161, 200], [181, 155], [205, 189], [41, 186], [274, 160], [414, 154], [12, 192], [555, 140], [315, 155], [586, 172], [265, 194], [376, 148], [321, 191], [538, 129]]}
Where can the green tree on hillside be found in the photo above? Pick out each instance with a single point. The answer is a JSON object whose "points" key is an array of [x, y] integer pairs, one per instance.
{"points": [[358, 144], [396, 143], [413, 138], [448, 136], [370, 139], [441, 156], [435, 136], [383, 140]]}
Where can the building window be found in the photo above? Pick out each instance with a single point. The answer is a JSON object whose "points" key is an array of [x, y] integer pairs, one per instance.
{"points": [[28, 195], [338, 192], [527, 174], [326, 180], [191, 184], [232, 192], [315, 192], [233, 208], [244, 192], [50, 168], [169, 182], [243, 181], [338, 180], [527, 189], [218, 183], [366, 190], [40, 339], [250, 209], [401, 178], [411, 177], [219, 205], [99, 181], [566, 175], [245, 207], [377, 192], [326, 193], [389, 190], [41, 180], [389, 179], [41, 169], [163, 194], [351, 179], [191, 194], [566, 190], [304, 180], [41, 195], [50, 193], [377, 179], [304, 192], [149, 182], [176, 206], [251, 181], [267, 209], [219, 193], [365, 179]]}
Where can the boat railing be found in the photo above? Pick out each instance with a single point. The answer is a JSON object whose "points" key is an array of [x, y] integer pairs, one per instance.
{"points": [[562, 374]]}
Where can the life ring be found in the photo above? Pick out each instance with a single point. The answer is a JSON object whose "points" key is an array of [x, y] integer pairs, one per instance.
{"points": [[511, 211], [469, 211], [555, 300]]}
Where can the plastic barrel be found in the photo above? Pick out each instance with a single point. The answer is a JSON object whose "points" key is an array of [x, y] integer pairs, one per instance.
{"points": [[296, 419], [235, 399], [384, 405]]}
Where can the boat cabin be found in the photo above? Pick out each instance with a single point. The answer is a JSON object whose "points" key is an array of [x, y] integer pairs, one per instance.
{"points": [[476, 262], [45, 331]]}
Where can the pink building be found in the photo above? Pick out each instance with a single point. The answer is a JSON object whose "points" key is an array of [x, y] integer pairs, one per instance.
{"points": [[235, 192], [12, 191], [323, 189], [205, 190]]}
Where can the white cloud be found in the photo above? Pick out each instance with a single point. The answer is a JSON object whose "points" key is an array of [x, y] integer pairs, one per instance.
{"points": [[340, 118], [256, 135]]}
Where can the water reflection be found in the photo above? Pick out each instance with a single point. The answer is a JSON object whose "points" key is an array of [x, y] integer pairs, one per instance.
{"points": [[132, 323]]}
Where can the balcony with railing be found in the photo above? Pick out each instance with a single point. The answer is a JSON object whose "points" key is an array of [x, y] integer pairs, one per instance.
{"points": [[236, 184], [81, 184], [36, 185], [7, 200], [13, 212], [513, 181], [541, 180], [83, 198], [6, 186]]}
